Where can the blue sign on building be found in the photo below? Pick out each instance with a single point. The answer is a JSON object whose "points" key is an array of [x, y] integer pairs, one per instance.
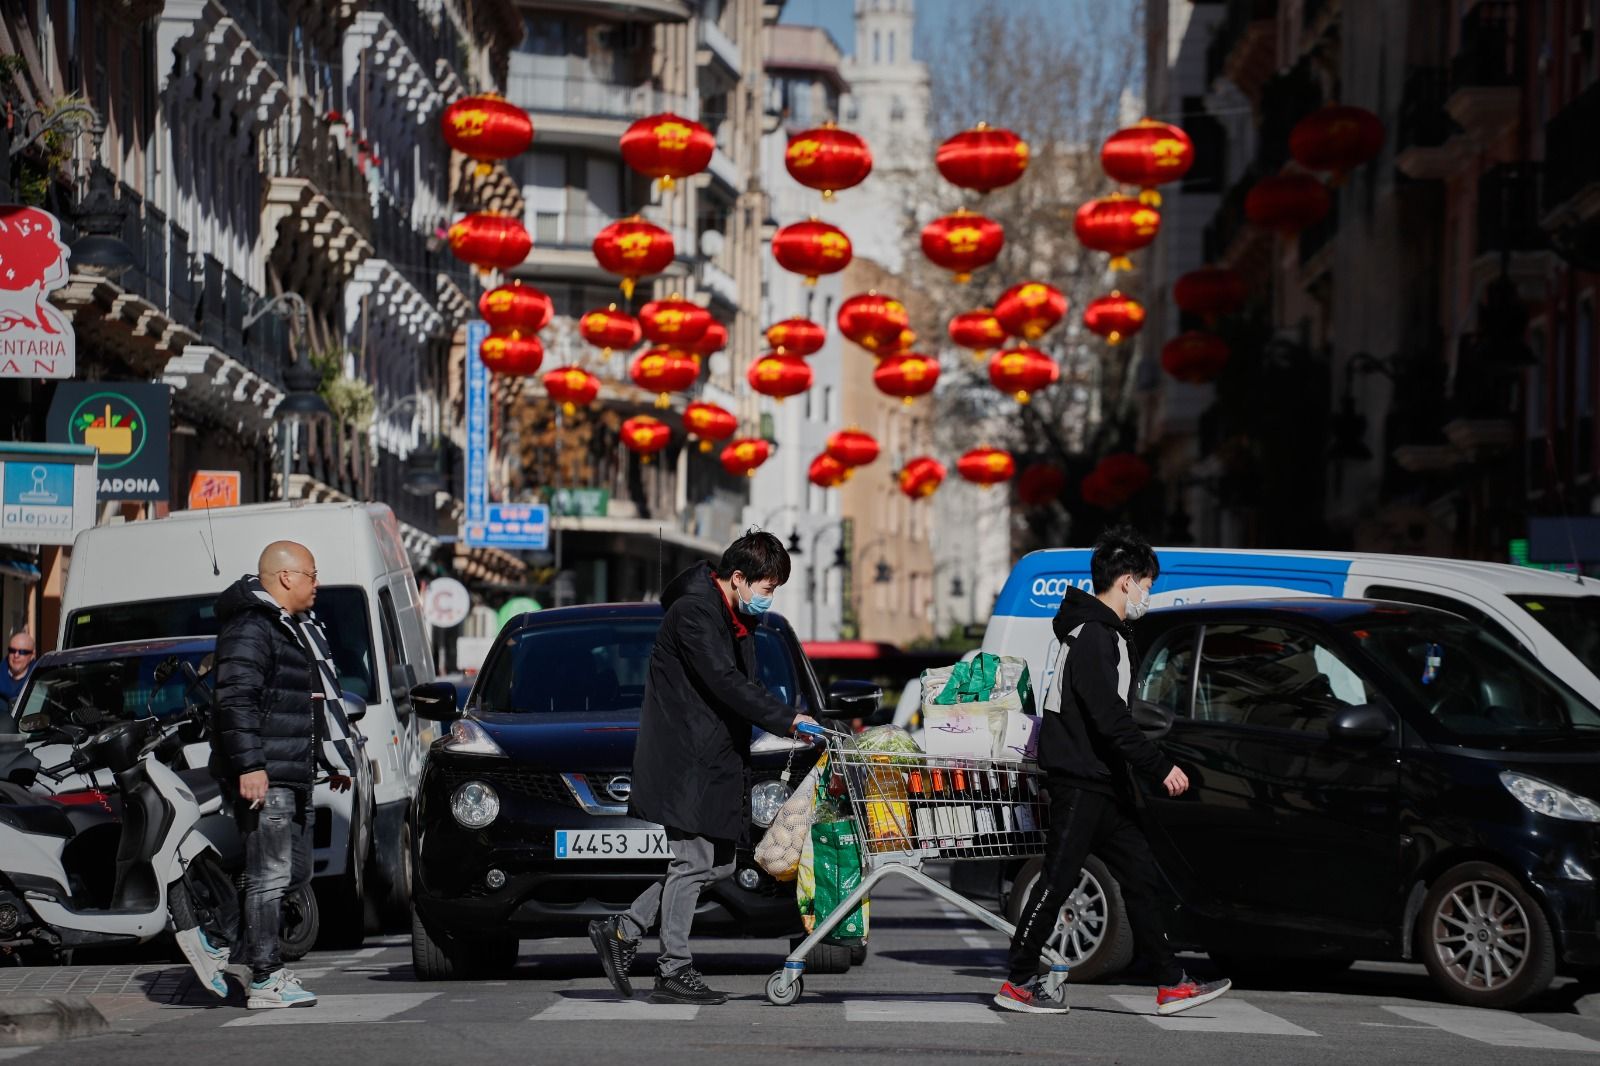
{"points": [[477, 428], [516, 526]]}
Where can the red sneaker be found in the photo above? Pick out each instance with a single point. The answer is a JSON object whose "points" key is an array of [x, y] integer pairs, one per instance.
{"points": [[1028, 998], [1187, 993]]}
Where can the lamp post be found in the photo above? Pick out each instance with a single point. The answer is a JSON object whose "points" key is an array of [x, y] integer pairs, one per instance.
{"points": [[301, 401], [813, 582], [422, 475], [794, 532]]}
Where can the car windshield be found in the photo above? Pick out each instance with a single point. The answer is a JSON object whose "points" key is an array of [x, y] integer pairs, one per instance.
{"points": [[587, 667], [123, 687], [1574, 620], [342, 609], [1471, 683]]}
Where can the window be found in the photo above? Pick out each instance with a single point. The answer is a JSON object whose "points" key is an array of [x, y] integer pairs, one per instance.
{"points": [[1166, 675], [891, 47], [1575, 621], [1270, 677], [394, 652], [1441, 602], [877, 52]]}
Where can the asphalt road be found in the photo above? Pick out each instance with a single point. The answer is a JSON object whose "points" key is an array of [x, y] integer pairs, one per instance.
{"points": [[922, 996]]}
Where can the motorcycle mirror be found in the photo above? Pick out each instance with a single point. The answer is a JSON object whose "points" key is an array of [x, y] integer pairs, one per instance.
{"points": [[164, 670], [37, 722]]}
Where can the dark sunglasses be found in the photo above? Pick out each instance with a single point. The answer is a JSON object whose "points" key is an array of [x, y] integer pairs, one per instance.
{"points": [[19, 651]]}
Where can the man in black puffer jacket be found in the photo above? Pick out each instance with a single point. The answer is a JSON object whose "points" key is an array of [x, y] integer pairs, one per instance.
{"points": [[273, 681]]}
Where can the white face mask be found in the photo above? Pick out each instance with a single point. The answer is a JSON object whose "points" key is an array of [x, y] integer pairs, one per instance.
{"points": [[1136, 608]]}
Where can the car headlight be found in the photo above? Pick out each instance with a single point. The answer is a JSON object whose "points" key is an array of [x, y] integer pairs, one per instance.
{"points": [[765, 799], [469, 738], [475, 804], [1541, 797]]}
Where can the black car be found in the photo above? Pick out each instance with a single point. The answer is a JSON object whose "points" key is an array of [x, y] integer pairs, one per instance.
{"points": [[522, 825], [1369, 781]]}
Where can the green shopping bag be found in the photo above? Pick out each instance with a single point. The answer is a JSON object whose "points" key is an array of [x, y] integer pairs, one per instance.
{"points": [[975, 680], [836, 860]]}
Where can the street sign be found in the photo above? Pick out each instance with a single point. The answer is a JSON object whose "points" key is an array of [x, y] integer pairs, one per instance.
{"points": [[445, 602], [128, 423], [477, 425], [36, 340], [580, 503], [47, 492], [213, 488], [515, 526]]}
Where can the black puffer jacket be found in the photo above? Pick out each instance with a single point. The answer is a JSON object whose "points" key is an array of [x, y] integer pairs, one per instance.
{"points": [[264, 684]]}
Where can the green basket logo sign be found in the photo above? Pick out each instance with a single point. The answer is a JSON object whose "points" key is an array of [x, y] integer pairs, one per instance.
{"points": [[111, 423]]}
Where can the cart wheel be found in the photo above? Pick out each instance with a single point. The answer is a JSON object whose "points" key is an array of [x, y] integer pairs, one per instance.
{"points": [[778, 995]]}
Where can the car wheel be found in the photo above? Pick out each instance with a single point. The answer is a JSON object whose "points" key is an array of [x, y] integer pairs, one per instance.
{"points": [[396, 903], [1092, 931], [826, 958], [438, 956], [1484, 939], [300, 923], [858, 955]]}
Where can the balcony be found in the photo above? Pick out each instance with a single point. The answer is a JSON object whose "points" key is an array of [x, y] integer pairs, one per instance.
{"points": [[1428, 145], [318, 211], [724, 175], [643, 10], [584, 112], [1244, 48], [717, 56], [1509, 235], [1572, 162], [1486, 71], [563, 245], [1229, 239]]}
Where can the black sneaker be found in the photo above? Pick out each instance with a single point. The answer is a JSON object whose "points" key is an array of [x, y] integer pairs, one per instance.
{"points": [[685, 986], [616, 953]]}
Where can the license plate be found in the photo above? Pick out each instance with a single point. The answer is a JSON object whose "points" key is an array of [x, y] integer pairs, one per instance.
{"points": [[611, 844]]}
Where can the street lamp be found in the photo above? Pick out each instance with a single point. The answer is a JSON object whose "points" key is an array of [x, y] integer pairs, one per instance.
{"points": [[98, 250], [422, 475], [794, 532], [301, 401]]}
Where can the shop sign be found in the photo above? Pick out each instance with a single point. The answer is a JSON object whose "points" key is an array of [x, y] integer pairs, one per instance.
{"points": [[213, 488], [47, 493], [36, 340], [128, 423]]}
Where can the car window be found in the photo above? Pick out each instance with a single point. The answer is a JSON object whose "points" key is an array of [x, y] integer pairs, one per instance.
{"points": [[1574, 620], [1273, 677], [775, 667], [1455, 605], [1166, 673]]}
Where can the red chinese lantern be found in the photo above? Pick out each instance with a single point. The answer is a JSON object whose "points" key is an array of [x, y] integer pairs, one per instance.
{"points": [[644, 436], [490, 241], [828, 158], [515, 308], [962, 242], [1337, 138], [486, 128], [663, 371], [713, 340], [1116, 225], [667, 147], [1022, 372], [634, 249], [978, 330], [745, 455], [1209, 292], [875, 322], [1287, 203], [906, 375], [572, 387], [674, 322], [811, 248], [779, 376], [982, 158], [1040, 484], [610, 328], [1195, 358], [1147, 154], [797, 336], [1114, 317], [1114, 481], [900, 345], [709, 422], [852, 447], [827, 472], [986, 466], [512, 354], [1030, 309], [920, 477]]}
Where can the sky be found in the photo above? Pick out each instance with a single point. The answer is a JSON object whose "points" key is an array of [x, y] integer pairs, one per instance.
{"points": [[933, 18]]}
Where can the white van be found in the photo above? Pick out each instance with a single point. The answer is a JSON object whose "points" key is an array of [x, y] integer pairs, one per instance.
{"points": [[161, 578], [1555, 617]]}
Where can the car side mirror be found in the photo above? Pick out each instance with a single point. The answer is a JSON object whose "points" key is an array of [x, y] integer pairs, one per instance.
{"points": [[855, 699], [1153, 720], [402, 679], [435, 701], [355, 708], [1364, 722]]}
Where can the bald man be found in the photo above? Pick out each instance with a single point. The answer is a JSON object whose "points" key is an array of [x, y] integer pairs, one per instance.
{"points": [[275, 685]]}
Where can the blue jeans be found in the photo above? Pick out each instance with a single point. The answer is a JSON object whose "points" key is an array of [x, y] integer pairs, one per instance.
{"points": [[277, 861]]}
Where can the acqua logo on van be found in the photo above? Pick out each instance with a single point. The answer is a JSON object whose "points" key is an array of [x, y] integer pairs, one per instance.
{"points": [[1047, 592]]}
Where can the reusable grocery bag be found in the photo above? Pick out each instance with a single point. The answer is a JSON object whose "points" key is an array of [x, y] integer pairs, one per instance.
{"points": [[837, 858], [979, 709]]}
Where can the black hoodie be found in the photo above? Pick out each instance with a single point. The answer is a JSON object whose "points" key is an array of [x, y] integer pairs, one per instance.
{"points": [[690, 765], [1092, 738]]}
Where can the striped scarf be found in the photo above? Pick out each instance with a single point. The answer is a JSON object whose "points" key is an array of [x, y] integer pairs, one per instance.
{"points": [[333, 727]]}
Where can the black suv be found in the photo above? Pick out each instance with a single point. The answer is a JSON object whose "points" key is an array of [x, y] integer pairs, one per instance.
{"points": [[521, 820]]}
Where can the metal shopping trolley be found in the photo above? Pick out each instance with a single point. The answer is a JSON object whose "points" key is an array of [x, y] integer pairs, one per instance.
{"points": [[909, 808]]}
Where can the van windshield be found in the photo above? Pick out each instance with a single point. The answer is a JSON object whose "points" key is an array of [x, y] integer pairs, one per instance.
{"points": [[1573, 620], [342, 609]]}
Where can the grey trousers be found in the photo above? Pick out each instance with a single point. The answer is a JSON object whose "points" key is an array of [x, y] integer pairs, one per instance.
{"points": [[697, 863]]}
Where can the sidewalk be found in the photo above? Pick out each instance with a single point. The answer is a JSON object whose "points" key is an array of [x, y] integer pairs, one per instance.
{"points": [[46, 1003]]}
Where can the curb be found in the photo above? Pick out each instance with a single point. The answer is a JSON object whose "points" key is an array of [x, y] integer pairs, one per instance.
{"points": [[1589, 1006], [40, 1019]]}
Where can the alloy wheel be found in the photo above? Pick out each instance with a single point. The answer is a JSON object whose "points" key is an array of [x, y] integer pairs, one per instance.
{"points": [[1481, 935], [1081, 925]]}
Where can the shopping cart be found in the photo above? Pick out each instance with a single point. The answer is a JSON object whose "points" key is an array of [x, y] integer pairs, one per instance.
{"points": [[909, 808]]}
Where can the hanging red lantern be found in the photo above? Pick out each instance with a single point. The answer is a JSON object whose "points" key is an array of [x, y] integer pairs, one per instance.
{"points": [[634, 249], [906, 375], [1116, 225], [986, 466], [674, 322], [873, 321], [1336, 138], [745, 455], [644, 436], [1030, 310], [982, 158], [709, 422], [667, 147], [663, 371], [1114, 481], [852, 447], [921, 477], [827, 472], [610, 328], [962, 242], [779, 376], [1040, 484], [1147, 154], [512, 354], [712, 341], [1195, 358], [828, 158], [515, 308], [1022, 372], [1287, 203], [490, 241], [811, 248], [1209, 292], [486, 129], [797, 336], [1114, 317], [572, 387], [978, 330], [900, 345]]}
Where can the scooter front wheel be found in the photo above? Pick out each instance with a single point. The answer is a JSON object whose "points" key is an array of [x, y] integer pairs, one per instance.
{"points": [[301, 922]]}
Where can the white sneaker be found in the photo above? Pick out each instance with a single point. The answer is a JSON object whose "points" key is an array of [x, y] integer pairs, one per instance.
{"points": [[282, 989]]}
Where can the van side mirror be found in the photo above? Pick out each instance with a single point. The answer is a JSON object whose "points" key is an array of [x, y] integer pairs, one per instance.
{"points": [[1363, 723], [1153, 720], [435, 701], [402, 679], [355, 708], [855, 699]]}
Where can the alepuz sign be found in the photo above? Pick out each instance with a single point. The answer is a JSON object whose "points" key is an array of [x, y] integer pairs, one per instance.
{"points": [[128, 423], [36, 340]]}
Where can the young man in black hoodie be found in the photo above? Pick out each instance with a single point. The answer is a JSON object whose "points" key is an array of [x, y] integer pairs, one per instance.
{"points": [[1090, 750], [692, 759]]}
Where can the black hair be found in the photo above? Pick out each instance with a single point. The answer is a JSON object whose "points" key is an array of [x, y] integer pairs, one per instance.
{"points": [[758, 555], [1122, 550]]}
